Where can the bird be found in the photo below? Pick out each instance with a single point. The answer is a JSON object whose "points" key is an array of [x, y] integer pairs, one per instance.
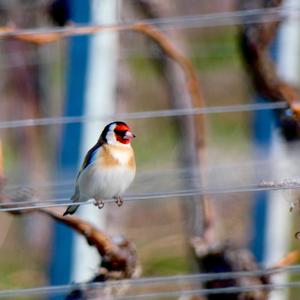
{"points": [[108, 168]]}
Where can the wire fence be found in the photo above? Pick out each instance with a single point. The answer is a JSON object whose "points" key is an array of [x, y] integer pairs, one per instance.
{"points": [[216, 291], [144, 115], [26, 205], [193, 21], [177, 280], [239, 17]]}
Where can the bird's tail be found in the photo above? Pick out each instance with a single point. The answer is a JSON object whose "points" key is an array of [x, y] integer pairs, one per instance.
{"points": [[75, 198], [71, 209]]}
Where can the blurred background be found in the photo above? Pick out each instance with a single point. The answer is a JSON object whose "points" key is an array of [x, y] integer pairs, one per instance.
{"points": [[109, 75]]}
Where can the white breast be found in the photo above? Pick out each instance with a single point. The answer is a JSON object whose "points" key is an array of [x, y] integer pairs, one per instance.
{"points": [[105, 183], [122, 156]]}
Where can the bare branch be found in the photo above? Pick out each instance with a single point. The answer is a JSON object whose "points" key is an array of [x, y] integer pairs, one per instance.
{"points": [[290, 259], [231, 258], [120, 255], [255, 40]]}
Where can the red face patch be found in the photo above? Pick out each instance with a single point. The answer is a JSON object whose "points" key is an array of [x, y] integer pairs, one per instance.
{"points": [[122, 127], [120, 131], [121, 140]]}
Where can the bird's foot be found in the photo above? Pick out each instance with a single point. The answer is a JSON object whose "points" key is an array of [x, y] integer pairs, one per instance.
{"points": [[99, 203], [119, 201]]}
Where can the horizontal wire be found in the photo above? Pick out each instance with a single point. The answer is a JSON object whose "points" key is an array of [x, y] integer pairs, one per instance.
{"points": [[184, 21], [147, 196], [204, 292], [145, 114], [196, 278], [190, 21], [145, 174], [156, 196], [183, 177]]}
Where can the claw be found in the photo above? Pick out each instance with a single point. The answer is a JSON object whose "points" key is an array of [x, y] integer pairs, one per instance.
{"points": [[99, 203], [119, 201]]}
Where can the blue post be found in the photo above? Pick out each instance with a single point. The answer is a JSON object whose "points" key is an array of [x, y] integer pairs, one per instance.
{"points": [[61, 259], [262, 134], [263, 123]]}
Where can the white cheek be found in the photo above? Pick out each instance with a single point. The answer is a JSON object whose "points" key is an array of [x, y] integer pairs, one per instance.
{"points": [[111, 138]]}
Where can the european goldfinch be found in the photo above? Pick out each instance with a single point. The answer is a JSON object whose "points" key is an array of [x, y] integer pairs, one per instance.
{"points": [[108, 168]]}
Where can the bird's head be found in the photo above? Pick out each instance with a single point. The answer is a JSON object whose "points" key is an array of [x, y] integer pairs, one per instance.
{"points": [[117, 133]]}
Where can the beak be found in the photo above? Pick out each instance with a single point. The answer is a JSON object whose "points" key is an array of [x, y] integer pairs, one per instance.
{"points": [[129, 135]]}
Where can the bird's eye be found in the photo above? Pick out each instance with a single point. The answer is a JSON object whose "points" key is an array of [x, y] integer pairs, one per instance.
{"points": [[120, 132]]}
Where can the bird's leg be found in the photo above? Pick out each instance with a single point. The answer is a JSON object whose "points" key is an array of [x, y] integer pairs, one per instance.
{"points": [[119, 201], [99, 203]]}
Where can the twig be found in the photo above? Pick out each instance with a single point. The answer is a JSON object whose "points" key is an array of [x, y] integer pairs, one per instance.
{"points": [[197, 100], [231, 258], [188, 69], [255, 41], [290, 259], [120, 256]]}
